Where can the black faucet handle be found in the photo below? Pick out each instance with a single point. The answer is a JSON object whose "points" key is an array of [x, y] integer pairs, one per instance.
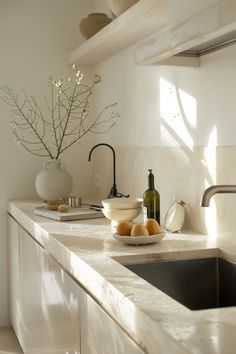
{"points": [[114, 194]]}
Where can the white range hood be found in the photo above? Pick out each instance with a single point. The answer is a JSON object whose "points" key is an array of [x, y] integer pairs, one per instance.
{"points": [[163, 32], [184, 44]]}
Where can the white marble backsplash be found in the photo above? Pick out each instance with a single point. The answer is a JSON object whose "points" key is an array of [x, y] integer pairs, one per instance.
{"points": [[180, 172]]}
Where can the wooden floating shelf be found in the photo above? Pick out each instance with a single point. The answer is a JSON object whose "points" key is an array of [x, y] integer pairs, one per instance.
{"points": [[142, 19], [161, 30]]}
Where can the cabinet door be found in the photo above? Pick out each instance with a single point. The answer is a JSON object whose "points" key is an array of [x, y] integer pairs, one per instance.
{"points": [[13, 272], [100, 334], [60, 301], [46, 303]]}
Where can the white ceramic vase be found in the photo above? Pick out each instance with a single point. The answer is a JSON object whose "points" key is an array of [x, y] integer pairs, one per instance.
{"points": [[53, 183], [117, 7]]}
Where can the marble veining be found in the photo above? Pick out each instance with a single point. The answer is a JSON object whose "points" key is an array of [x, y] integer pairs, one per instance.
{"points": [[155, 321]]}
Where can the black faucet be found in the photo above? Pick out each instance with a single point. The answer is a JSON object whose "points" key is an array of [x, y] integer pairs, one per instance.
{"points": [[113, 192]]}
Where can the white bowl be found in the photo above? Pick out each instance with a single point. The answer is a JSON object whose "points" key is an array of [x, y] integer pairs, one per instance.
{"points": [[121, 214], [122, 203]]}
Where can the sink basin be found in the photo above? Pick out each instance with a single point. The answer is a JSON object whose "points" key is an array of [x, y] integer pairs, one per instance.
{"points": [[197, 283]]}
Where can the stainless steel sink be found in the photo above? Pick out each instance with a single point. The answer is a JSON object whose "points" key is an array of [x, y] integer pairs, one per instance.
{"points": [[197, 283]]}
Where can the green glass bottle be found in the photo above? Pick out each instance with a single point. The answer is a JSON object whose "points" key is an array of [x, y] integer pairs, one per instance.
{"points": [[151, 199]]}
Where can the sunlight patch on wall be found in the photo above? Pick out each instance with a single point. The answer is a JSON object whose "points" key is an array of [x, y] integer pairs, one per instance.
{"points": [[189, 108], [209, 161], [210, 158], [178, 112]]}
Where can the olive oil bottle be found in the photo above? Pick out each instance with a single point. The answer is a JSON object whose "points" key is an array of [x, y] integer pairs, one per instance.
{"points": [[151, 199]]}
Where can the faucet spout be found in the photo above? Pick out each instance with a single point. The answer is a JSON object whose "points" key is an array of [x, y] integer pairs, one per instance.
{"points": [[113, 192], [114, 160], [220, 188]]}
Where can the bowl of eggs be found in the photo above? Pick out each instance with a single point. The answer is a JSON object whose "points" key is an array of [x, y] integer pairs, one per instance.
{"points": [[121, 209], [137, 234]]}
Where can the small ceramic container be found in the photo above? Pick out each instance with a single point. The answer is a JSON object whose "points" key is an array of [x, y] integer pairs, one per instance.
{"points": [[92, 24]]}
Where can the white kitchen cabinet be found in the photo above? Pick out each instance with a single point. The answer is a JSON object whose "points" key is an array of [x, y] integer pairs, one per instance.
{"points": [[100, 334], [44, 300], [50, 312]]}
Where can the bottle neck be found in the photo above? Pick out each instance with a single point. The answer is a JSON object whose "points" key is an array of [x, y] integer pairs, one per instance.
{"points": [[151, 182]]}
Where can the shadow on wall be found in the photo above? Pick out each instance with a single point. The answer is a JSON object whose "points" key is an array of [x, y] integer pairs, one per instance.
{"points": [[178, 116], [174, 132]]}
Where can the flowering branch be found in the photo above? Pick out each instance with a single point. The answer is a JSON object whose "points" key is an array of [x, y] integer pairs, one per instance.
{"points": [[68, 111]]}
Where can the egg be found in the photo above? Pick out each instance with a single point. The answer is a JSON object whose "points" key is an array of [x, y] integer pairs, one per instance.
{"points": [[124, 228], [52, 206], [63, 208], [153, 227], [139, 230]]}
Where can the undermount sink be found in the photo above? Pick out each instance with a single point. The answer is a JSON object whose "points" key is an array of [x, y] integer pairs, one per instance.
{"points": [[197, 283]]}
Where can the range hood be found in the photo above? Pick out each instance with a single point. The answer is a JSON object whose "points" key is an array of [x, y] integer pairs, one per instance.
{"points": [[212, 45], [184, 44]]}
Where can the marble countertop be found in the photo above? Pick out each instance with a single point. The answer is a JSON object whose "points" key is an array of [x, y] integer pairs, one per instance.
{"points": [[158, 323]]}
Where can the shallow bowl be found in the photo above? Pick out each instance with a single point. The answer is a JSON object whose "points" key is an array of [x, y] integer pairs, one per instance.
{"points": [[121, 214], [122, 203], [139, 240]]}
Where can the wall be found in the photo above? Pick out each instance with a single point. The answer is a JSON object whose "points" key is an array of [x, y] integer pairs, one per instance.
{"points": [[101, 6], [36, 37], [181, 123]]}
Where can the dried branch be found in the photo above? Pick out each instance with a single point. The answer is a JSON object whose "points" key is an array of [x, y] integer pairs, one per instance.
{"points": [[64, 121]]}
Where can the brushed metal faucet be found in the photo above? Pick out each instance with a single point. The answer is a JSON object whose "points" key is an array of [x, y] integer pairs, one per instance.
{"points": [[220, 188], [113, 192]]}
